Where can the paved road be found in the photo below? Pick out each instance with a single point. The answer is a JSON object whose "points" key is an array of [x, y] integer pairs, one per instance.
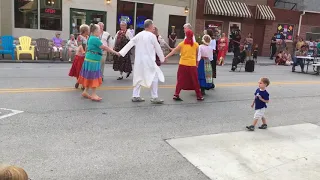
{"points": [[62, 136]]}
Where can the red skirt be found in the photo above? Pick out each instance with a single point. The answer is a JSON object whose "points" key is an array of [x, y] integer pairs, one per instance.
{"points": [[187, 78], [76, 66]]}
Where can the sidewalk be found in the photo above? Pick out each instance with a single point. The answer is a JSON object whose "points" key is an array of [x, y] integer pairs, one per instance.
{"points": [[172, 60]]}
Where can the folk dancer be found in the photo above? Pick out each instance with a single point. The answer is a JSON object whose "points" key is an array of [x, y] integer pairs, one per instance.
{"points": [[205, 56], [90, 75], [146, 71], [122, 64], [106, 41], [82, 40], [187, 76]]}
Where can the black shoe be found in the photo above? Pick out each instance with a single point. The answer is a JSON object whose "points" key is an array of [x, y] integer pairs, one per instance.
{"points": [[76, 85], [82, 88], [102, 79], [263, 126], [293, 69], [250, 128], [128, 74], [120, 78], [177, 98]]}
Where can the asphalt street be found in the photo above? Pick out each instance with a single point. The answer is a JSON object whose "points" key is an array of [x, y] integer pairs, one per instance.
{"points": [[56, 134]]}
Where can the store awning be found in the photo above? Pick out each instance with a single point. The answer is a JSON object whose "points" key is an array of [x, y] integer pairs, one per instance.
{"points": [[227, 8], [264, 12]]}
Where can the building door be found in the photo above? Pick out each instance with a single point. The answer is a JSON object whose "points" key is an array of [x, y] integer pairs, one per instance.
{"points": [[83, 16], [234, 26], [258, 36]]}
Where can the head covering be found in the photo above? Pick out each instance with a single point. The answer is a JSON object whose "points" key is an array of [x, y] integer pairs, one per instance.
{"points": [[189, 38], [206, 39]]}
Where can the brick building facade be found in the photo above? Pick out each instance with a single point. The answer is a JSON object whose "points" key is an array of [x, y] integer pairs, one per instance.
{"points": [[261, 28]]}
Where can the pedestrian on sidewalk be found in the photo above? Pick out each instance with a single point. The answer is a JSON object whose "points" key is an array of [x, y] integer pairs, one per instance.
{"points": [[90, 75], [187, 76], [146, 72], [273, 46], [80, 54], [261, 98]]}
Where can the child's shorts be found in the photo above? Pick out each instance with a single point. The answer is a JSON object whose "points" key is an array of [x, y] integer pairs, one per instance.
{"points": [[259, 114]]}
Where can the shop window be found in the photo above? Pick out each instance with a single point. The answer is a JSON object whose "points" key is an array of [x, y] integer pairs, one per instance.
{"points": [[83, 16], [132, 11], [285, 31], [125, 12], [177, 22], [314, 34], [215, 26], [26, 14], [143, 12], [51, 15]]}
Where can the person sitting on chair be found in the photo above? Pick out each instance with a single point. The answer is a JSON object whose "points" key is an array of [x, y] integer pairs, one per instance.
{"points": [[239, 59]]}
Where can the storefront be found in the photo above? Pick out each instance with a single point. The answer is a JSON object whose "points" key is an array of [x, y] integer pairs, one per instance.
{"points": [[262, 20], [230, 16], [42, 18]]}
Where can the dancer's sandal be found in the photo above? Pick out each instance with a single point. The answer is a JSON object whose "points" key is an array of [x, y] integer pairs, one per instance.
{"points": [[85, 95], [97, 99]]}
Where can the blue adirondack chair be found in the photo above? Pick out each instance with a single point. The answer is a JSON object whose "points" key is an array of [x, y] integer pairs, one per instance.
{"points": [[7, 46]]}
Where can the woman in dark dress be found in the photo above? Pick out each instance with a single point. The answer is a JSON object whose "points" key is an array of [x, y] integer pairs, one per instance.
{"points": [[122, 64], [172, 39]]}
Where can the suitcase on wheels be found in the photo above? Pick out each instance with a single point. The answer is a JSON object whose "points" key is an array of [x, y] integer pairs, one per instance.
{"points": [[249, 66]]}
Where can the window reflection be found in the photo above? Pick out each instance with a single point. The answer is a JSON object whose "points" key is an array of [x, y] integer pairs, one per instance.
{"points": [[26, 14], [51, 14]]}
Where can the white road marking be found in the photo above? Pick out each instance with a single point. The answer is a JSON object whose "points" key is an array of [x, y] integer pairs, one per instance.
{"points": [[13, 112]]}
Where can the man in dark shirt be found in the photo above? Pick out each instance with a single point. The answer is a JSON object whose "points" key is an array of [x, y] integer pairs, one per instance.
{"points": [[239, 59], [273, 46], [236, 38]]}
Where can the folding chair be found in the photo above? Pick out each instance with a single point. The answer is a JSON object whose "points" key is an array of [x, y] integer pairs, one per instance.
{"points": [[241, 64]]}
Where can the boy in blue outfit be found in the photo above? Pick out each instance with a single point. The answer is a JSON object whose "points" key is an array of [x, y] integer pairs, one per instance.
{"points": [[260, 103]]}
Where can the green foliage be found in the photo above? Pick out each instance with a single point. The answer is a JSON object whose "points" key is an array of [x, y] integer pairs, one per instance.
{"points": [[199, 38]]}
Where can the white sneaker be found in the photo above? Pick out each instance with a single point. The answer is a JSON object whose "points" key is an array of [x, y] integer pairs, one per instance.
{"points": [[156, 101], [69, 59]]}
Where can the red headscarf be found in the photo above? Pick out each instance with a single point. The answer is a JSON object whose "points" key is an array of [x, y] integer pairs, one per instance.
{"points": [[189, 38]]}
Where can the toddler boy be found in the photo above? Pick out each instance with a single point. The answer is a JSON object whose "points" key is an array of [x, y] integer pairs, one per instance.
{"points": [[260, 103]]}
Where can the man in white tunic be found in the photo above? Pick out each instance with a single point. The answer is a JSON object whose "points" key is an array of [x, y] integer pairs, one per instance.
{"points": [[146, 71]]}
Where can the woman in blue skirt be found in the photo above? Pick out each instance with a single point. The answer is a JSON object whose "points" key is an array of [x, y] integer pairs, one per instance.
{"points": [[204, 66]]}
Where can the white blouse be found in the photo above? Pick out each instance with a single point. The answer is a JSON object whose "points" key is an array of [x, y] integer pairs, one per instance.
{"points": [[205, 51]]}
